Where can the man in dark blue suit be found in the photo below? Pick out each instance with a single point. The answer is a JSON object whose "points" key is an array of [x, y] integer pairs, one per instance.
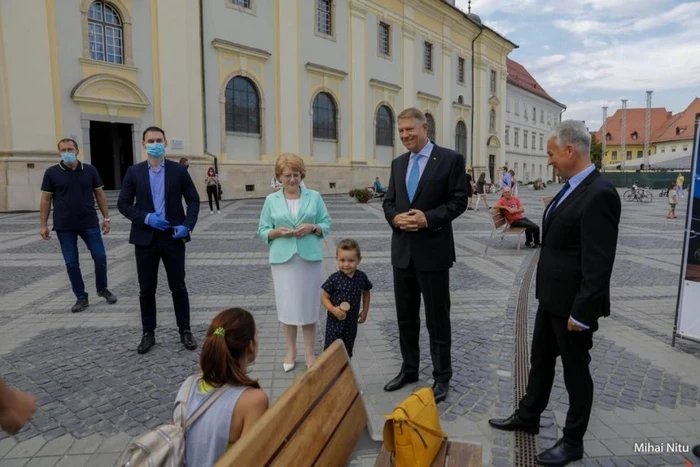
{"points": [[159, 230]]}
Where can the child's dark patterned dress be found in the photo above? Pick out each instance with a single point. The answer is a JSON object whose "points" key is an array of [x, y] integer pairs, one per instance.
{"points": [[343, 288]]}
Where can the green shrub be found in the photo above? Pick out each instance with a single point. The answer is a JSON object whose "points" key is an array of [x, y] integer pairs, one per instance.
{"points": [[362, 195], [352, 193]]}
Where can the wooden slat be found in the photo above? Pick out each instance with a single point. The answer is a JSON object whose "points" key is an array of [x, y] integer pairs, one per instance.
{"points": [[439, 460], [384, 459], [273, 428], [464, 455], [343, 442], [311, 437]]}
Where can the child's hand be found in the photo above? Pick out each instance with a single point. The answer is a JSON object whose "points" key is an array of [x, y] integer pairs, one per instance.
{"points": [[363, 318], [340, 314]]}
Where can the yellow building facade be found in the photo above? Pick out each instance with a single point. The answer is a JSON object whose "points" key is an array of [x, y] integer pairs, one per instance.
{"points": [[234, 83]]}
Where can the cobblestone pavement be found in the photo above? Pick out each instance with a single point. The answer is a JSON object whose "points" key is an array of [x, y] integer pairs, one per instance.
{"points": [[95, 392]]}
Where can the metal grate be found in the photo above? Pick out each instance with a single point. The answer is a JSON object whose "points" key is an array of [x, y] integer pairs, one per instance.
{"points": [[525, 444]]}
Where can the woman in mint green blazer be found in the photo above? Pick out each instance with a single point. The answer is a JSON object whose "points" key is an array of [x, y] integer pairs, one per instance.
{"points": [[293, 222]]}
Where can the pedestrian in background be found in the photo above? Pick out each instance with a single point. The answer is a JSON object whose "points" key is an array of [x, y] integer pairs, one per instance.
{"points": [[212, 182]]}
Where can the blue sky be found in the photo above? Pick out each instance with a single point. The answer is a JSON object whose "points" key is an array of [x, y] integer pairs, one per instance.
{"points": [[591, 53]]}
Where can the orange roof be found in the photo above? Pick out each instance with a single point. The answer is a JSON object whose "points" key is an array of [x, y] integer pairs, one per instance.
{"points": [[520, 77], [635, 124], [680, 127]]}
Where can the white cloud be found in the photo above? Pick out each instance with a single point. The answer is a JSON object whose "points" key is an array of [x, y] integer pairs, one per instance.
{"points": [[502, 27], [665, 62], [587, 26], [547, 47], [545, 62], [591, 111], [683, 15], [594, 43]]}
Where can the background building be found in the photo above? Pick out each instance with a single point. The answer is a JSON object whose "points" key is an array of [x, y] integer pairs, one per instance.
{"points": [[531, 113], [238, 82], [634, 141], [674, 140]]}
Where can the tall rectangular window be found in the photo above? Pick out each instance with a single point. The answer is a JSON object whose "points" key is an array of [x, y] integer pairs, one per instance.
{"points": [[493, 81], [629, 155], [516, 140], [460, 70], [427, 56], [507, 136], [533, 141], [384, 39], [541, 141], [525, 140], [541, 116], [324, 17]]}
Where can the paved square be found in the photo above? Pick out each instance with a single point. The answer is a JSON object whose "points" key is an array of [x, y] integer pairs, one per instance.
{"points": [[95, 392]]}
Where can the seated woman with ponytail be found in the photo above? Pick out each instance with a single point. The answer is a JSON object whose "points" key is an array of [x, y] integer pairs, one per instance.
{"points": [[230, 346]]}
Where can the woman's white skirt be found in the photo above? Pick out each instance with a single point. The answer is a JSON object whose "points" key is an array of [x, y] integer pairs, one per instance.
{"points": [[297, 286]]}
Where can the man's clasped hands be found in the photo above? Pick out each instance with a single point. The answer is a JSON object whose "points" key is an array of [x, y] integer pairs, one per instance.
{"points": [[159, 222], [411, 221]]}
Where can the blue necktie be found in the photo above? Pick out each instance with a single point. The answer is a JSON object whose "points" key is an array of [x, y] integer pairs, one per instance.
{"points": [[414, 177], [556, 199]]}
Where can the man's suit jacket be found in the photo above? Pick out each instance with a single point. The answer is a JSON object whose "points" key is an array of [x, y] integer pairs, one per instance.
{"points": [[275, 213], [137, 185], [579, 240], [442, 195]]}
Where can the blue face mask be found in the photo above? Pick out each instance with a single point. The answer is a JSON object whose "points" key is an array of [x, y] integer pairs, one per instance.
{"points": [[68, 157], [155, 149]]}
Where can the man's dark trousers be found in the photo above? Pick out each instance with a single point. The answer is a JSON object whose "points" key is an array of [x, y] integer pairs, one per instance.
{"points": [[435, 287], [172, 253], [533, 230], [551, 339]]}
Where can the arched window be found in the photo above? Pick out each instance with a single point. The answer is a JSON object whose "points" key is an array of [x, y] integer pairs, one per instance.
{"points": [[492, 120], [461, 138], [325, 117], [242, 106], [105, 33], [431, 127], [385, 127]]}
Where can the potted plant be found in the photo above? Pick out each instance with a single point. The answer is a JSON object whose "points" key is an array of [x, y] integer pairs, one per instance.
{"points": [[362, 195]]}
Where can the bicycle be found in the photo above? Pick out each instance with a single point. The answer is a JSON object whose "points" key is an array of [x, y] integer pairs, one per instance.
{"points": [[643, 195], [664, 193]]}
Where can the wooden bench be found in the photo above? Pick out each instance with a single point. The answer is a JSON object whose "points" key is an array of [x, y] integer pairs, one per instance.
{"points": [[318, 421], [500, 222], [452, 454]]}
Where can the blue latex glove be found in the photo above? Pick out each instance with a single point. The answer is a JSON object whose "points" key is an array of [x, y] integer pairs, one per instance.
{"points": [[157, 221], [181, 231]]}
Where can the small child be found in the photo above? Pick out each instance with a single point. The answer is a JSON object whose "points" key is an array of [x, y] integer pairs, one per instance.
{"points": [[672, 200], [349, 285]]}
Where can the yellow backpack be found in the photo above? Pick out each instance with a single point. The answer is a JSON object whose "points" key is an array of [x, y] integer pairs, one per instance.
{"points": [[412, 432]]}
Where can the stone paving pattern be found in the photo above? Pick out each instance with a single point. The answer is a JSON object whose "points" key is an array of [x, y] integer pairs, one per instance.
{"points": [[95, 392]]}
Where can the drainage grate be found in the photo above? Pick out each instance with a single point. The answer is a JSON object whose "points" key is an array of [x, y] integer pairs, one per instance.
{"points": [[525, 444]]}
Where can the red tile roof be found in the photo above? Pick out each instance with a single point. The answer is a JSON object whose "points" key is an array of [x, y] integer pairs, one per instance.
{"points": [[635, 124], [520, 77], [680, 127]]}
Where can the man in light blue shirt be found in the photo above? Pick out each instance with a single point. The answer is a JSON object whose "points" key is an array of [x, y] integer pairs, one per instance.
{"points": [[506, 179]]}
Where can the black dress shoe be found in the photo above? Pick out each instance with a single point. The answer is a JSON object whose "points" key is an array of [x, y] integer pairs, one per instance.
{"points": [[400, 381], [147, 341], [80, 305], [440, 390], [560, 454], [513, 423], [187, 340], [107, 295]]}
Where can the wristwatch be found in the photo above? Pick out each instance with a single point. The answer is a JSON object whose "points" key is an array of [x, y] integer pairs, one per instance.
{"points": [[106, 220], [314, 229]]}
